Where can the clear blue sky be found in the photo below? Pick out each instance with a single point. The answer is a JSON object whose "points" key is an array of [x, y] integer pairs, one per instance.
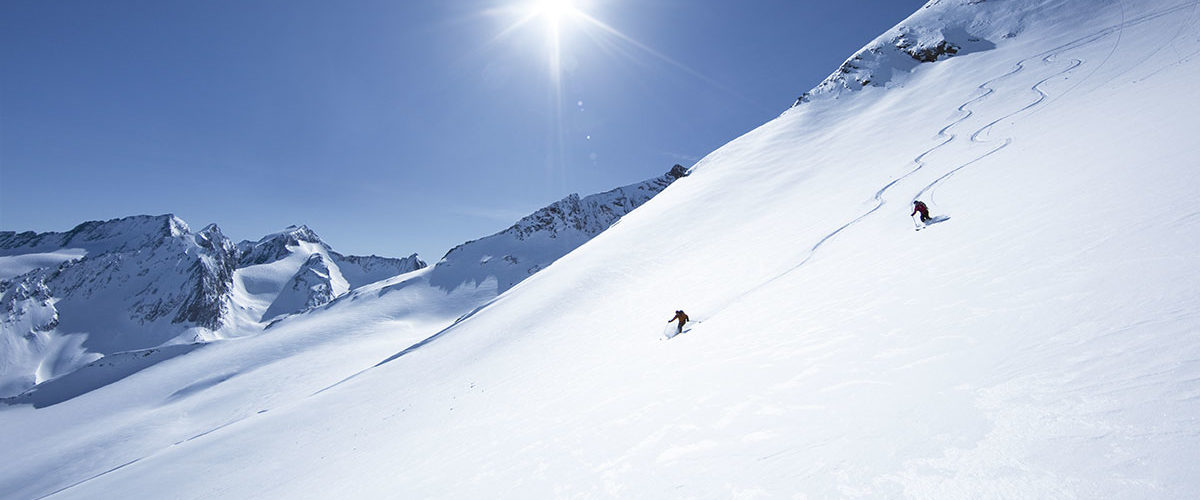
{"points": [[389, 127]]}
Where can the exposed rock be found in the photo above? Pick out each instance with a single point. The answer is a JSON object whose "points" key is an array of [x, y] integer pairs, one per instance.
{"points": [[544, 236], [929, 36], [275, 246]]}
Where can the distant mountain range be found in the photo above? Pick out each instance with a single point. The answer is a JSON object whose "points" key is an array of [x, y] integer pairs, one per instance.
{"points": [[138, 283]]}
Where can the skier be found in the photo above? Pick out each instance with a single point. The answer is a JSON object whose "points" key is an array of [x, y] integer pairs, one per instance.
{"points": [[683, 318], [919, 206]]}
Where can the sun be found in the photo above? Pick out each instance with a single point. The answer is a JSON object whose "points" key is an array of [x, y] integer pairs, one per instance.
{"points": [[553, 11], [554, 15], [563, 21]]}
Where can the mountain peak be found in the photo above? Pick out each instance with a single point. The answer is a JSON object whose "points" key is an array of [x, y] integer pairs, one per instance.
{"points": [[278, 245], [295, 234], [99, 237], [938, 31], [540, 238]]}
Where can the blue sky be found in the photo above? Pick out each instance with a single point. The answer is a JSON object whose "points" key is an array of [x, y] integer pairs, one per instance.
{"points": [[389, 127]]}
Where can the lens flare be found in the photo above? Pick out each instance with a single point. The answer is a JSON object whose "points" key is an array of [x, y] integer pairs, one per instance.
{"points": [[563, 19], [553, 11]]}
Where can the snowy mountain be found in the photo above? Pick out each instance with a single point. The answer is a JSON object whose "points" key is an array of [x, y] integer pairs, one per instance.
{"points": [[252, 285], [1041, 342], [107, 287], [544, 236], [476, 272], [143, 282], [293, 271], [937, 32]]}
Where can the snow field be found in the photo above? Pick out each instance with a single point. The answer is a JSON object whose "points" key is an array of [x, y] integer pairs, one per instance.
{"points": [[1043, 343]]}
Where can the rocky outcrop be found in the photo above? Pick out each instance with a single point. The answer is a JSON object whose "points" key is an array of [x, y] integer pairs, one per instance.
{"points": [[211, 277], [144, 270], [141, 281], [544, 236], [275, 246], [316, 283], [929, 36], [361, 270]]}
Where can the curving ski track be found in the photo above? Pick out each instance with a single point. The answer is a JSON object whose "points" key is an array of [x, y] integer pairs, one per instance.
{"points": [[975, 136], [986, 86], [1047, 57]]}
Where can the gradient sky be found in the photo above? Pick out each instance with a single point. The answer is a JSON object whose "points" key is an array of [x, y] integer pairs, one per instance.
{"points": [[389, 127]]}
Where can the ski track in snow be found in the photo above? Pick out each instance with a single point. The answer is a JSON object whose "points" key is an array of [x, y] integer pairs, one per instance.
{"points": [[1116, 45], [394, 357], [1047, 57], [1182, 58], [406, 350], [114, 469], [139, 459], [974, 138]]}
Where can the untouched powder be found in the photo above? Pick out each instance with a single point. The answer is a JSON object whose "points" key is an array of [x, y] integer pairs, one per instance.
{"points": [[1043, 342]]}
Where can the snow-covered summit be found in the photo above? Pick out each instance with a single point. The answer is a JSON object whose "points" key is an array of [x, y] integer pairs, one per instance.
{"points": [[129, 283], [591, 214], [293, 270], [135, 283], [939, 30], [538, 239], [97, 237], [275, 246]]}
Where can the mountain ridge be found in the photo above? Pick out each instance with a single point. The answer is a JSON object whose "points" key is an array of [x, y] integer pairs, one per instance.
{"points": [[192, 288]]}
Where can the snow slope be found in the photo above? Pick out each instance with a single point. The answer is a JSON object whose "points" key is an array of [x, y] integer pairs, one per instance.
{"points": [[1044, 342], [302, 286]]}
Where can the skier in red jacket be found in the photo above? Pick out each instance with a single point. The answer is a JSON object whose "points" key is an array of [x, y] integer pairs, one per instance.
{"points": [[919, 206]]}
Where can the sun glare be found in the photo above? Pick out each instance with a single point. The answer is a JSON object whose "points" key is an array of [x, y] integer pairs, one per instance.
{"points": [[567, 19], [553, 10]]}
